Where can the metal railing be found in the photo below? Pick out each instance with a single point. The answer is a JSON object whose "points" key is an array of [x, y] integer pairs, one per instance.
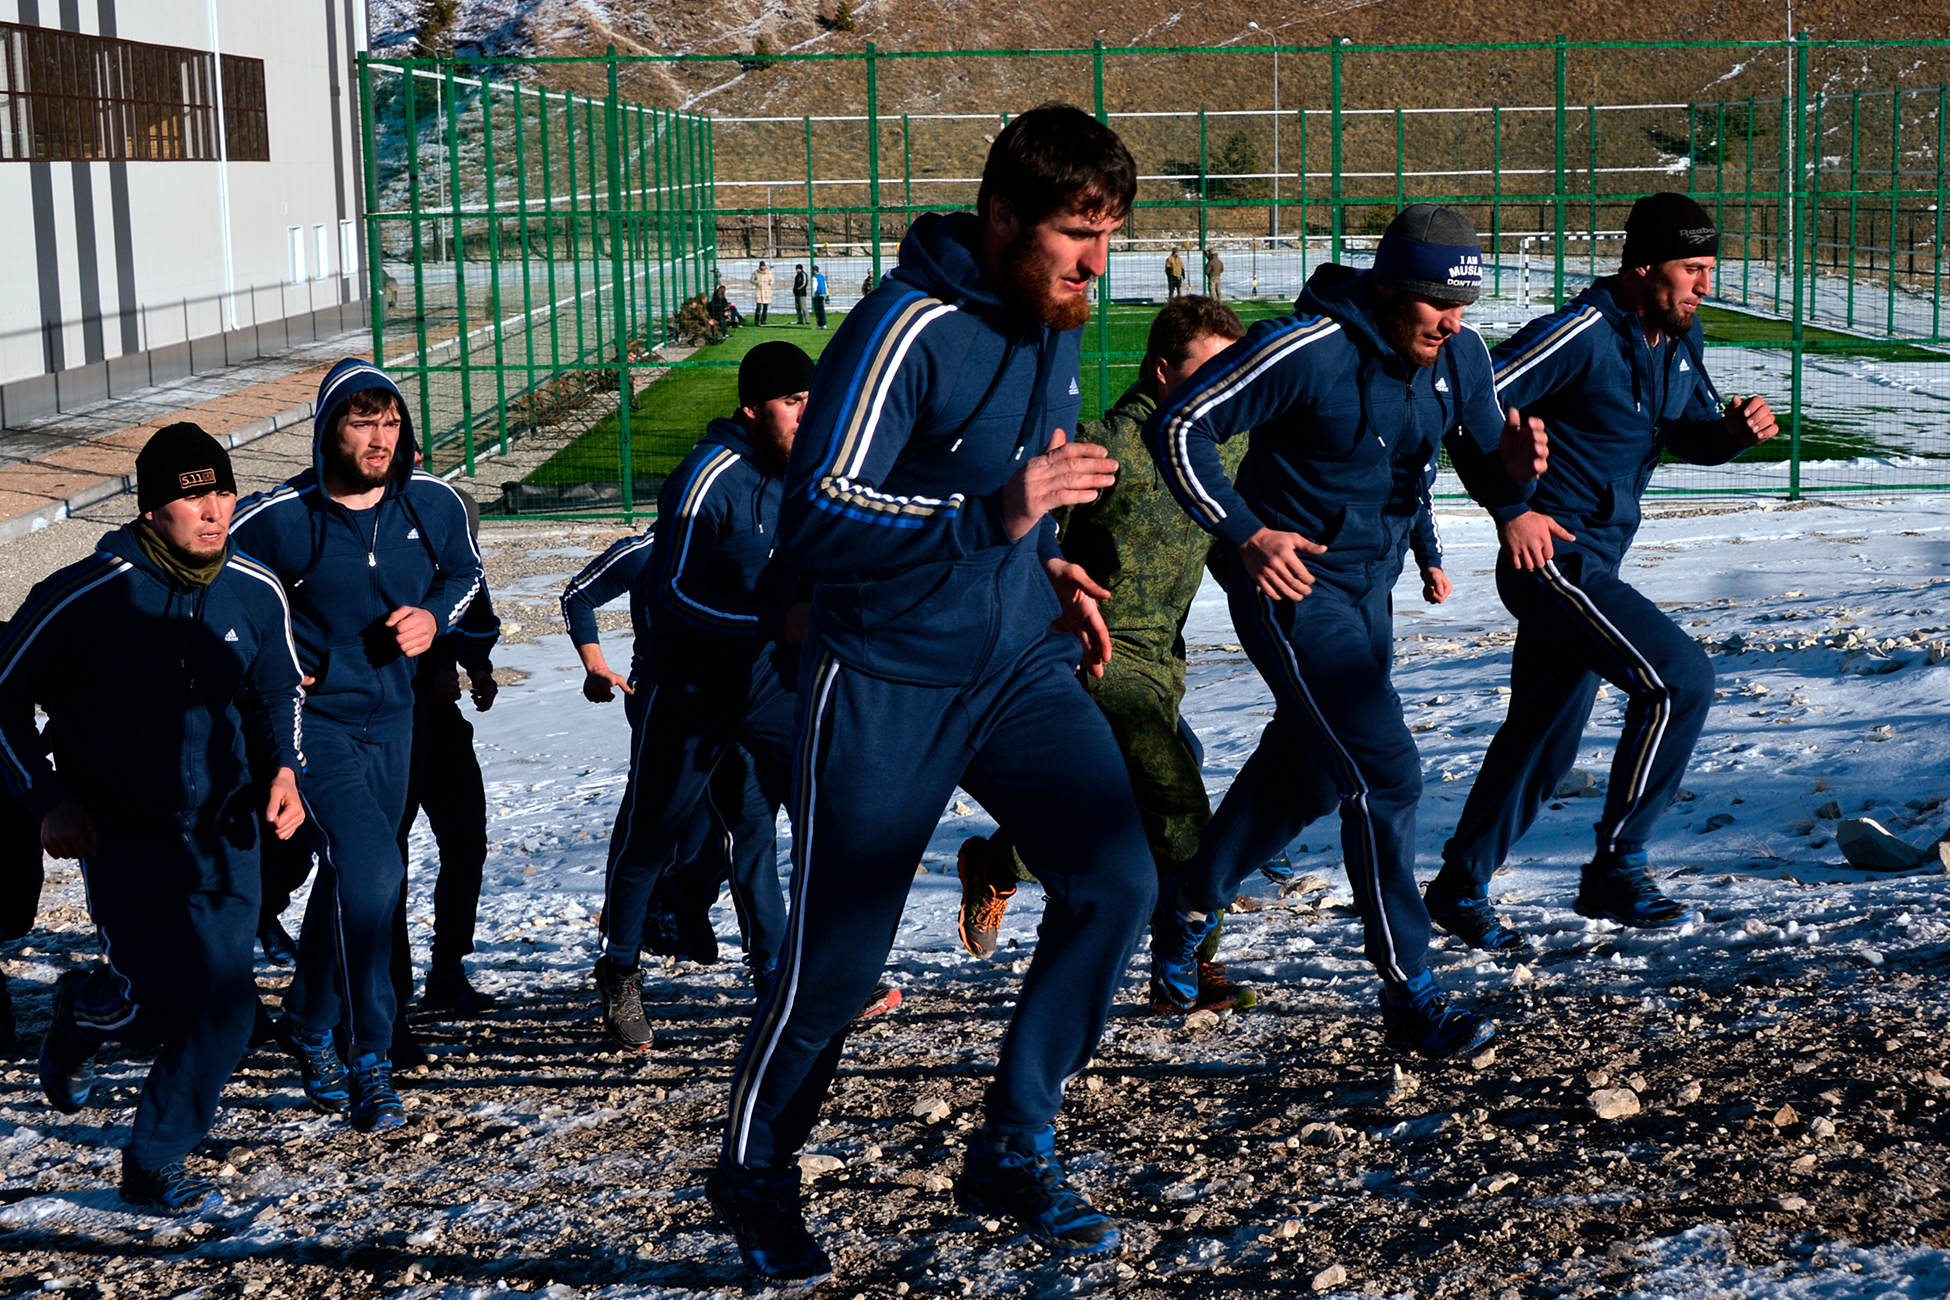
{"points": [[1830, 204]]}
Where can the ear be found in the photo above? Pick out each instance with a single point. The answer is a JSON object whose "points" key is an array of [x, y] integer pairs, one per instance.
{"points": [[1155, 372], [1002, 217]]}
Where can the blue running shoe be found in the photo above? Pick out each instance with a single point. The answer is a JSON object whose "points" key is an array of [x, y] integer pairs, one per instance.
{"points": [[1176, 938], [1619, 887], [67, 1052], [374, 1103], [1019, 1176], [1418, 1018], [764, 1216], [1472, 919], [1278, 869], [319, 1067], [171, 1190]]}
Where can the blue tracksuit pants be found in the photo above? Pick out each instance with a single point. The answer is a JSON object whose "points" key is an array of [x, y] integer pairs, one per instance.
{"points": [[733, 835], [177, 911], [681, 726], [1326, 659], [355, 793], [444, 779], [1578, 623], [876, 763]]}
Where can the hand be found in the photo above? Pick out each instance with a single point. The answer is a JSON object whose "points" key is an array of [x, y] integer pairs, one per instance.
{"points": [[1750, 421], [1524, 446], [596, 686], [445, 684], [483, 688], [68, 831], [307, 681], [798, 622], [1068, 474], [1078, 594], [1436, 586], [1273, 559], [285, 810], [1528, 540], [415, 629]]}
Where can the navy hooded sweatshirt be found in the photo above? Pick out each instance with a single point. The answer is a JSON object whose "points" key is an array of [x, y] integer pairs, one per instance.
{"points": [[1343, 432], [930, 397], [706, 590], [346, 571], [142, 678], [1612, 404]]}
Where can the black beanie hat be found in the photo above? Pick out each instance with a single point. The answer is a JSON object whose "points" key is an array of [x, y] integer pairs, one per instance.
{"points": [[1432, 251], [1667, 227], [774, 369], [181, 460]]}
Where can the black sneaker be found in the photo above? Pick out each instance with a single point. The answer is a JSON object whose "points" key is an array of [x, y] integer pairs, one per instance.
{"points": [[171, 1190], [374, 1103], [406, 1053], [1419, 1018], [68, 1051], [319, 1067], [1472, 919], [1019, 1176], [1619, 887], [280, 949], [764, 1216], [622, 994], [448, 990], [983, 904]]}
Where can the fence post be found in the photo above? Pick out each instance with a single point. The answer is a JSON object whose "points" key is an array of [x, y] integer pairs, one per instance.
{"points": [[495, 314], [1591, 189], [527, 278], [1103, 281], [1204, 183], [463, 352], [1557, 191], [1800, 236], [1496, 198], [1895, 189], [1854, 189], [812, 244], [708, 181], [1936, 276], [410, 85], [375, 268], [619, 289], [1334, 97], [873, 152], [659, 128]]}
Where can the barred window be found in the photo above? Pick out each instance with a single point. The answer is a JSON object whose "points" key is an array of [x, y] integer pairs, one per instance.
{"points": [[68, 96]]}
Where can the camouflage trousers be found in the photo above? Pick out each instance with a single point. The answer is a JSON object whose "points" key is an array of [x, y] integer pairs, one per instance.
{"points": [[1140, 695]]}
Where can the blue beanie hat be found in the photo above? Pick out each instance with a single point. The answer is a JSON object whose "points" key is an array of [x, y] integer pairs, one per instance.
{"points": [[1431, 251]]}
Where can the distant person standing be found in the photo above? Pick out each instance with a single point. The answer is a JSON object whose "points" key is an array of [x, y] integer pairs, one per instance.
{"points": [[819, 297], [762, 282], [801, 286], [1174, 275], [1215, 271]]}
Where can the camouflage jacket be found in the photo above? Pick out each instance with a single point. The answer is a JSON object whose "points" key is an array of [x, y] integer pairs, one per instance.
{"points": [[1136, 540]]}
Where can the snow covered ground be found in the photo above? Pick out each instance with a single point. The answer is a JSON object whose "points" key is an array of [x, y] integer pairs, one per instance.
{"points": [[1823, 619]]}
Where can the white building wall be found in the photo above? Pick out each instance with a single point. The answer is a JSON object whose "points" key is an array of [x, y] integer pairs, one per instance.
{"points": [[181, 286]]}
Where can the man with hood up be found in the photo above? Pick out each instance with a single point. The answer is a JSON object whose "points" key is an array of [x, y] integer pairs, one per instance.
{"points": [[920, 488], [1618, 374], [1348, 401], [720, 663], [377, 561], [151, 791]]}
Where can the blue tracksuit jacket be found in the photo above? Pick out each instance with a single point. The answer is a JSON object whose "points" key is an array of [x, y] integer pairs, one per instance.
{"points": [[617, 570], [1343, 433], [347, 571], [143, 677], [1612, 405], [1424, 538], [929, 398]]}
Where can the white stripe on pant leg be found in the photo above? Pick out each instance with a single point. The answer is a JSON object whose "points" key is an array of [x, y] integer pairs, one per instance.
{"points": [[1264, 608], [626, 820], [1662, 712], [780, 1010]]}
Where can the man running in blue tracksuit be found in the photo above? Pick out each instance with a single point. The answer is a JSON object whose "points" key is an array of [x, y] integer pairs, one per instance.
{"points": [[1348, 402], [677, 920], [933, 449], [1619, 376], [377, 561], [721, 659], [153, 657]]}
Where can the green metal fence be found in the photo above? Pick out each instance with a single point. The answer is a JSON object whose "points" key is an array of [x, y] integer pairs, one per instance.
{"points": [[1823, 163]]}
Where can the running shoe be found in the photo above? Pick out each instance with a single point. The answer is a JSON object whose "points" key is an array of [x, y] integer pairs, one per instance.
{"points": [[280, 949], [319, 1067], [1216, 992], [982, 904], [67, 1052], [622, 995], [448, 990], [1176, 938], [1619, 887], [171, 1190], [1419, 1018], [1472, 919], [885, 998], [1019, 1176], [764, 1216], [375, 1105]]}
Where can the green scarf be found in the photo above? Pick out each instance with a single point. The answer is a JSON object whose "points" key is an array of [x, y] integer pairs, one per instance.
{"points": [[200, 574]]}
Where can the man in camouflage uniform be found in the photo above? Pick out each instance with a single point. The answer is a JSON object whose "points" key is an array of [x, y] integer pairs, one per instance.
{"points": [[1136, 542]]}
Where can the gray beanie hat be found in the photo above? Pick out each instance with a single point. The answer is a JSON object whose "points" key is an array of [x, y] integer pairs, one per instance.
{"points": [[1432, 251]]}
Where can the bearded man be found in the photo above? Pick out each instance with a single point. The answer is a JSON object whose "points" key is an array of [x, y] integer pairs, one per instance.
{"points": [[933, 448]]}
